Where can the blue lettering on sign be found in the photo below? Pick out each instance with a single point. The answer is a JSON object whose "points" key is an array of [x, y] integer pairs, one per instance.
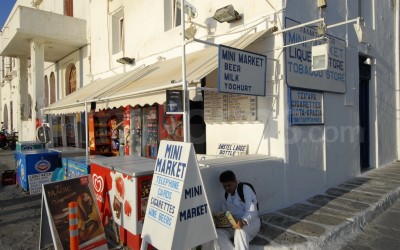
{"points": [[167, 182], [251, 60], [232, 67], [303, 69], [228, 55], [170, 167], [296, 38], [152, 212], [336, 64], [335, 51], [193, 212], [162, 205], [300, 54], [335, 76], [239, 87], [193, 192], [165, 219], [173, 152], [231, 77], [164, 193]]}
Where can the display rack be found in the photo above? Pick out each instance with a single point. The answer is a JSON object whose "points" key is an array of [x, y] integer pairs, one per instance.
{"points": [[99, 133], [150, 132]]}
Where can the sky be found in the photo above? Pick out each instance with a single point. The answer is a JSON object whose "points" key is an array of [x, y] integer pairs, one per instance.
{"points": [[5, 8]]}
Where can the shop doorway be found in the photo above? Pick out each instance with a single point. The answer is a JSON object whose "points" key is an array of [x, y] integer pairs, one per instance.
{"points": [[365, 77]]}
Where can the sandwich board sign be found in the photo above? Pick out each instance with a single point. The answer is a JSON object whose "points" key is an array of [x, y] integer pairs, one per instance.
{"points": [[178, 215], [54, 227]]}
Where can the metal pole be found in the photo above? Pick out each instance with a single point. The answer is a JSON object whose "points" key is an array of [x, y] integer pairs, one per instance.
{"points": [[86, 134], [186, 104]]}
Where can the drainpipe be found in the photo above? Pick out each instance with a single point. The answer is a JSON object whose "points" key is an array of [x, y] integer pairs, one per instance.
{"points": [[397, 73]]}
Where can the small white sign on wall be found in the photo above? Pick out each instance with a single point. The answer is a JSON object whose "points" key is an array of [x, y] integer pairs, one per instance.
{"points": [[306, 107], [232, 149]]}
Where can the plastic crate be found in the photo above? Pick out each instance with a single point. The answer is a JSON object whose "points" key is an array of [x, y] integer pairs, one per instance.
{"points": [[8, 177]]}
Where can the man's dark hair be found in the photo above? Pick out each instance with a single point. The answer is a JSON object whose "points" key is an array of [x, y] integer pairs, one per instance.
{"points": [[227, 176]]}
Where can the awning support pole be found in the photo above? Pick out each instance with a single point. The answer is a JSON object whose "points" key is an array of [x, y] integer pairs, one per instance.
{"points": [[186, 104], [86, 135]]}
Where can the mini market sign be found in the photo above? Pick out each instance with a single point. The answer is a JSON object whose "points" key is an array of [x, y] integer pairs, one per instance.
{"points": [[241, 72], [178, 215]]}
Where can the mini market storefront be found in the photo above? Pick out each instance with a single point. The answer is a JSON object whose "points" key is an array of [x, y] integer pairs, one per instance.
{"points": [[136, 102]]}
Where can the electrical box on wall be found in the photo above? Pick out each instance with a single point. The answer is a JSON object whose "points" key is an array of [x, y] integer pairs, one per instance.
{"points": [[321, 3]]}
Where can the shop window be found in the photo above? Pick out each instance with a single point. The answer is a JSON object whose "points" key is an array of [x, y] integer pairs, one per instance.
{"points": [[118, 33], [52, 88], [69, 7], [46, 91], [70, 79], [172, 15]]}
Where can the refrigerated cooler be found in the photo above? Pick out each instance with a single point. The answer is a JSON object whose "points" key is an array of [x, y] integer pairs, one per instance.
{"points": [[30, 162], [69, 151], [122, 186], [77, 166], [29, 145]]}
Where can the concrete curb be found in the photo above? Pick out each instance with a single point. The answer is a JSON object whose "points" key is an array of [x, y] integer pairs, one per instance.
{"points": [[342, 233], [335, 235]]}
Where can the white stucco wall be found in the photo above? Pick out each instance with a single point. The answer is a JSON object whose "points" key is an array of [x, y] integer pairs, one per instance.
{"points": [[334, 157], [311, 158]]}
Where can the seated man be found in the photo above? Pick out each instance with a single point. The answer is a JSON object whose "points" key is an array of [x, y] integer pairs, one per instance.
{"points": [[242, 204]]}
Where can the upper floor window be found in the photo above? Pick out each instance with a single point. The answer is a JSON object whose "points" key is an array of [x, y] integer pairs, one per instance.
{"points": [[177, 15], [46, 91], [172, 14], [118, 31], [52, 88], [70, 79], [69, 7]]}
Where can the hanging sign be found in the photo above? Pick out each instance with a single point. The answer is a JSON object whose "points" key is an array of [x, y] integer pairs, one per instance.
{"points": [[174, 101], [298, 67], [241, 72]]}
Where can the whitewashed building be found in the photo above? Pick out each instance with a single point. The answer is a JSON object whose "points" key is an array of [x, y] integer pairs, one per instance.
{"points": [[308, 131]]}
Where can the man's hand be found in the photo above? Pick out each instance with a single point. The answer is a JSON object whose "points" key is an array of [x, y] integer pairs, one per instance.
{"points": [[240, 224]]}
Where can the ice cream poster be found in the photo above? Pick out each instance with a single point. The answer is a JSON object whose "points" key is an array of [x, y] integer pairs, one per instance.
{"points": [[122, 200], [55, 214]]}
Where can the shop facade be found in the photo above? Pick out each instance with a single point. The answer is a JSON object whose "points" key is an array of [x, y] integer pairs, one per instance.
{"points": [[322, 126]]}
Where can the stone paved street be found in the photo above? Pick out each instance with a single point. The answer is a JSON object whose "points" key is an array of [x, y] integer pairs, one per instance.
{"points": [[380, 234], [340, 218]]}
